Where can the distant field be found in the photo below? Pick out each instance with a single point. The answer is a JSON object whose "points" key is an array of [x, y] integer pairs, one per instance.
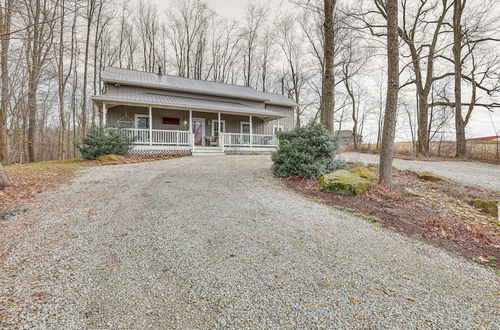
{"points": [[478, 150]]}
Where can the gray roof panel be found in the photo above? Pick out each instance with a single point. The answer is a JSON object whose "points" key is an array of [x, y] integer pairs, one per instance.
{"points": [[167, 82], [186, 103]]}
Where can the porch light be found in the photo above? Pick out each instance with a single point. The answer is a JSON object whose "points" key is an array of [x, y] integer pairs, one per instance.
{"points": [[185, 122]]}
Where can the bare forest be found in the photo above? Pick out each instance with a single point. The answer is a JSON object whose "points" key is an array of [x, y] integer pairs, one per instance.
{"points": [[329, 56]]}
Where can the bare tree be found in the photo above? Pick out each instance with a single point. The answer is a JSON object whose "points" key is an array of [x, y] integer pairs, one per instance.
{"points": [[328, 96], [89, 17], [224, 48], [457, 58], [6, 11], [40, 17], [254, 20], [390, 10], [291, 43], [187, 24], [4, 179], [63, 73]]}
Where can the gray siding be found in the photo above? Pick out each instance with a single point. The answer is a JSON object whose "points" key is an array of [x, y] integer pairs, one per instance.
{"points": [[288, 122], [233, 122]]}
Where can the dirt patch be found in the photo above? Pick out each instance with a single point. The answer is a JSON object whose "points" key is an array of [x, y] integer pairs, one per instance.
{"points": [[28, 180], [435, 212]]}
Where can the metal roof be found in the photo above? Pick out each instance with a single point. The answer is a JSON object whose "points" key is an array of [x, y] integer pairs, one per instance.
{"points": [[167, 82], [180, 102]]}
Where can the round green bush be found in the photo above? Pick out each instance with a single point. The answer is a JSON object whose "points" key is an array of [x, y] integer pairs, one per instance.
{"points": [[306, 152], [104, 141]]}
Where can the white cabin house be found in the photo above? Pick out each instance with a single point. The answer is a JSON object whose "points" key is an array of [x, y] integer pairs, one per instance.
{"points": [[164, 114]]}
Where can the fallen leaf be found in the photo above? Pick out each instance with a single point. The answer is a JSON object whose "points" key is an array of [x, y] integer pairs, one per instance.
{"points": [[483, 259], [411, 299], [276, 278], [351, 301]]}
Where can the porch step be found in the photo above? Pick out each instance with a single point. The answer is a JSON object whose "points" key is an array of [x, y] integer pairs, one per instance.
{"points": [[208, 151]]}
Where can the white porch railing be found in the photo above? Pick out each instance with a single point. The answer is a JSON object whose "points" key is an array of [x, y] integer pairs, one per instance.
{"points": [[248, 140], [186, 138], [159, 137]]}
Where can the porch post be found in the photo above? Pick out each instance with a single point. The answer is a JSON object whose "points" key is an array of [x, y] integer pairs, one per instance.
{"points": [[218, 129], [190, 128], [251, 131], [150, 126], [104, 114]]}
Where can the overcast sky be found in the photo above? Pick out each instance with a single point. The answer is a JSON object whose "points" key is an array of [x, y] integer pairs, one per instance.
{"points": [[482, 120]]}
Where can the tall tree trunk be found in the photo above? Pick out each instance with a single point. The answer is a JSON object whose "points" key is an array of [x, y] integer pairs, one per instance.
{"points": [[4, 179], [34, 73], [391, 106], [5, 24], [423, 124], [457, 58], [90, 14], [60, 68], [327, 97]]}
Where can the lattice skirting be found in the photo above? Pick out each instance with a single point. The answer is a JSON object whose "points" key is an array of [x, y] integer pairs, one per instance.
{"points": [[184, 152], [248, 152]]}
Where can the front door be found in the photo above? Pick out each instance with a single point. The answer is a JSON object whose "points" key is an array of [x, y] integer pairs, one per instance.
{"points": [[198, 131]]}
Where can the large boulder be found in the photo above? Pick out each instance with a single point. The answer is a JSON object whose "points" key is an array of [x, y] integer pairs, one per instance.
{"points": [[343, 182], [364, 173], [429, 176], [490, 207]]}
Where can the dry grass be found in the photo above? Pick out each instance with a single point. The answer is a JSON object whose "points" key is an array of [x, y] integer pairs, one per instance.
{"points": [[28, 180]]}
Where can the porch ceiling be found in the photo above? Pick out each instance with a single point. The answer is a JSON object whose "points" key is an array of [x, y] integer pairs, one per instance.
{"points": [[183, 103]]}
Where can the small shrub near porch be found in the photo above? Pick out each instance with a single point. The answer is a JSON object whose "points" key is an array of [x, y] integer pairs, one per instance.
{"points": [[104, 141], [306, 152]]}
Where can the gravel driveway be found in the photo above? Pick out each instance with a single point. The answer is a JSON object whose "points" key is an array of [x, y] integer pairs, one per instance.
{"points": [[202, 242], [482, 175]]}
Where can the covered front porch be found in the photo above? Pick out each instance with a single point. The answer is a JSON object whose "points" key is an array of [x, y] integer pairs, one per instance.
{"points": [[159, 128]]}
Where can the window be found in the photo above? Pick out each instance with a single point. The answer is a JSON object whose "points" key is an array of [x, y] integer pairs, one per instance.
{"points": [[215, 127], [142, 121], [245, 127], [277, 128], [171, 121]]}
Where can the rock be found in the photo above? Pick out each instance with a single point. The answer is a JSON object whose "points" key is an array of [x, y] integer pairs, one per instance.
{"points": [[429, 176], [364, 173], [110, 158], [373, 166], [343, 182], [490, 207], [410, 192]]}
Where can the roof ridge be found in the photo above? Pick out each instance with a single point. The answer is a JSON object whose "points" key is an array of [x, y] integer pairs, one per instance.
{"points": [[175, 76]]}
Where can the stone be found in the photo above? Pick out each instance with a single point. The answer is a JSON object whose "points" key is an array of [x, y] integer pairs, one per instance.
{"points": [[364, 173], [490, 207], [343, 182], [429, 176], [109, 158]]}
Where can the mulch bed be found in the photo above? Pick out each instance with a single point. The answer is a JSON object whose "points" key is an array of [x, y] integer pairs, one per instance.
{"points": [[435, 212], [30, 179]]}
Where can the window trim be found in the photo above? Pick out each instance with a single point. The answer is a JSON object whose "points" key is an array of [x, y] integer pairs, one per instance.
{"points": [[279, 127], [223, 126]]}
